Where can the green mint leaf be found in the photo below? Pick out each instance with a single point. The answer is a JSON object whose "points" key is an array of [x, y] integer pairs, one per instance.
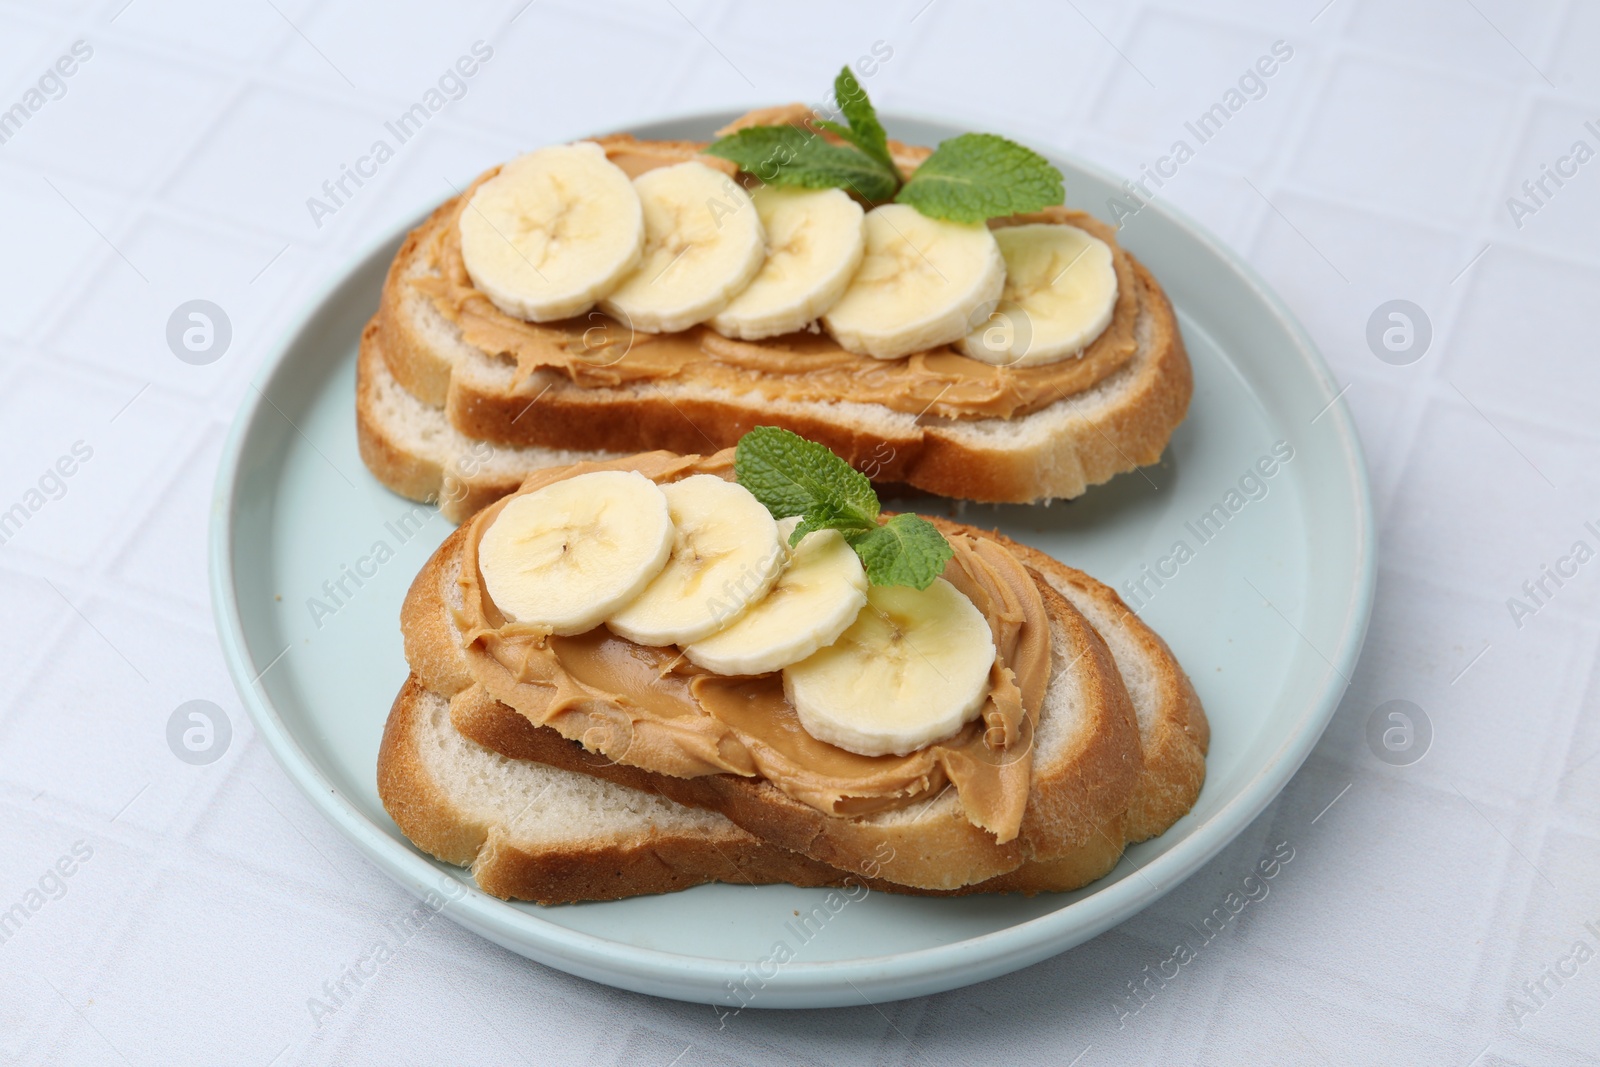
{"points": [[793, 476], [978, 176], [836, 127], [865, 131], [792, 156], [906, 550], [811, 524]]}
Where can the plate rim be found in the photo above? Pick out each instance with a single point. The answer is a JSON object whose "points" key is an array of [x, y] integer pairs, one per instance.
{"points": [[701, 979]]}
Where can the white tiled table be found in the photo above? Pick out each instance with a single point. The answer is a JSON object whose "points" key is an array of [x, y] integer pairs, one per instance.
{"points": [[1376, 166]]}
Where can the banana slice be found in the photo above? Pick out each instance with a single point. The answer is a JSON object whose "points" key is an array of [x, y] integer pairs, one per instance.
{"points": [[912, 669], [1060, 294], [725, 556], [554, 231], [703, 243], [815, 241], [817, 596], [568, 555], [919, 285]]}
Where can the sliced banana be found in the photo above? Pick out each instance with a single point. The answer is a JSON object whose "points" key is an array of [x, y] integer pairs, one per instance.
{"points": [[726, 555], [919, 285], [568, 555], [912, 669], [554, 231], [815, 241], [703, 243], [1060, 294], [817, 596]]}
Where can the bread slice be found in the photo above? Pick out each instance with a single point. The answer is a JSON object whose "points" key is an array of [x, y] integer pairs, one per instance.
{"points": [[1058, 451], [1086, 761], [531, 831], [1173, 731], [500, 730]]}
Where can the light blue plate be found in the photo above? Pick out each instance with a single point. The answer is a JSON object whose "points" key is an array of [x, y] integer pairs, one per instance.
{"points": [[1266, 611]]}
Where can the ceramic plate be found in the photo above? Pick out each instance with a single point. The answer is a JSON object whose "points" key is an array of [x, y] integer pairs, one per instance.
{"points": [[1265, 606]]}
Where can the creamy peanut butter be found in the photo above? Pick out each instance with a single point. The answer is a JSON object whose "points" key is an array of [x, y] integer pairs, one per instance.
{"points": [[652, 708], [595, 351]]}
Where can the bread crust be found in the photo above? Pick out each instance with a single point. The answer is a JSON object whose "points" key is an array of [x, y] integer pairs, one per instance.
{"points": [[1175, 746]]}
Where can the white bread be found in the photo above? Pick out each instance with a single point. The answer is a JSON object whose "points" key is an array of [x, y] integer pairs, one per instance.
{"points": [[1173, 731], [531, 831], [1086, 759], [496, 728], [1056, 452]]}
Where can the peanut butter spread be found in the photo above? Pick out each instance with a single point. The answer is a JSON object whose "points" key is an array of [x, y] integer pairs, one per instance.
{"points": [[595, 351], [652, 708]]}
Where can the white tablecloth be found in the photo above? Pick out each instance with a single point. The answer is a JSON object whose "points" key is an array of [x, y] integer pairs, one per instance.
{"points": [[162, 912]]}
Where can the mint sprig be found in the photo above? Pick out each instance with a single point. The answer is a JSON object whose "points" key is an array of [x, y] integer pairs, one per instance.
{"points": [[792, 476], [970, 178]]}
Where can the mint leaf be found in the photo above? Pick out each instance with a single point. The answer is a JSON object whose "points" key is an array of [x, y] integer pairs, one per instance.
{"points": [[793, 156], [906, 550], [792, 476], [864, 131], [978, 176], [811, 524]]}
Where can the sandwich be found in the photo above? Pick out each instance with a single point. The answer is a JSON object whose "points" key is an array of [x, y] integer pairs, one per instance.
{"points": [[937, 318], [637, 674]]}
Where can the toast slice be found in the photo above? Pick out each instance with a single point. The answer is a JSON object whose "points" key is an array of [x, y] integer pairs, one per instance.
{"points": [[1058, 451], [1086, 759], [530, 831], [497, 729], [1173, 731]]}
